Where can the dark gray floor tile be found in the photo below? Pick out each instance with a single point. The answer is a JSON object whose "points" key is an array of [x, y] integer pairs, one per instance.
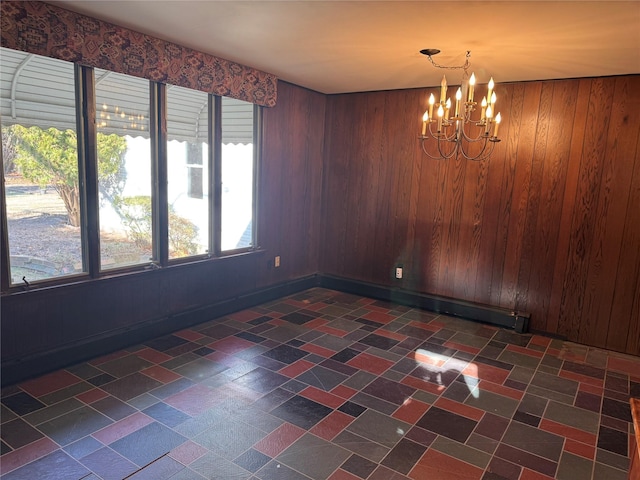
{"points": [[123, 366], [322, 378], [314, 456], [275, 471], [229, 438], [613, 441], [374, 403], [74, 425], [285, 354], [83, 447], [131, 386], [200, 369], [572, 416], [22, 403], [261, 380], [18, 433], [44, 414], [108, 464], [572, 467], [214, 467], [404, 456], [55, 466], [446, 423], [301, 411], [166, 414], [526, 459], [380, 428], [616, 409], [389, 391], [148, 443], [252, 460], [113, 408], [532, 440], [365, 448], [359, 466]]}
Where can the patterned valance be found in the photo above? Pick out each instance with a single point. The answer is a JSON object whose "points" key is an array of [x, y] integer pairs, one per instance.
{"points": [[48, 30]]}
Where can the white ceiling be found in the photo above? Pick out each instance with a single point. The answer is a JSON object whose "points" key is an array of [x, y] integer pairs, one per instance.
{"points": [[352, 46]]}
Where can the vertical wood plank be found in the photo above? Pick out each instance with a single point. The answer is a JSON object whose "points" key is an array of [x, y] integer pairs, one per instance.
{"points": [[582, 225], [556, 162], [608, 223]]}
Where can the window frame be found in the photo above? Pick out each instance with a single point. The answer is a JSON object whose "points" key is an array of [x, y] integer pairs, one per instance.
{"points": [[84, 81]]}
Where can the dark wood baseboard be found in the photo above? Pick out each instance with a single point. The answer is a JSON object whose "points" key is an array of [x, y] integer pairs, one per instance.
{"points": [[502, 317], [17, 370]]}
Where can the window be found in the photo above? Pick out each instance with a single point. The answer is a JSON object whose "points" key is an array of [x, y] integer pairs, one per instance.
{"points": [[40, 166], [124, 169], [188, 171], [84, 196], [237, 167]]}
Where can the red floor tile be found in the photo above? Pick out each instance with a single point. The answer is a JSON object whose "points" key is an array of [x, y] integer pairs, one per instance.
{"points": [[460, 408], [411, 411], [245, 315], [342, 475], [486, 372], [462, 347], [193, 400], [49, 383], [231, 345], [322, 397], [531, 475], [625, 365], [569, 432], [423, 385], [161, 374], [393, 335], [331, 425], [436, 465], [122, 428], [379, 317], [501, 390], [188, 452], [323, 352], [296, 368], [370, 363], [189, 335], [331, 331], [596, 382], [277, 441], [153, 355], [525, 351], [581, 449], [344, 392], [92, 395], [26, 454]]}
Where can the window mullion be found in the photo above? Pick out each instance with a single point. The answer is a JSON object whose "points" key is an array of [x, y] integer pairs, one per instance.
{"points": [[158, 124], [257, 152], [216, 143], [88, 169], [5, 280]]}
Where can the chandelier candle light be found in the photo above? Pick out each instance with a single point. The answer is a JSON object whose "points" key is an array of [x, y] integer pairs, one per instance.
{"points": [[460, 134]]}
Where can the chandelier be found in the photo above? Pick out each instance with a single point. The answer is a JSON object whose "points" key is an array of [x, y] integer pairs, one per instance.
{"points": [[449, 132]]}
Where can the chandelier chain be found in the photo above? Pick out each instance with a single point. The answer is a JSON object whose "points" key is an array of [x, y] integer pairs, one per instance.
{"points": [[464, 67]]}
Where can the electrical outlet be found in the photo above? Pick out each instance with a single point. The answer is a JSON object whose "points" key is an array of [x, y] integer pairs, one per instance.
{"points": [[398, 272], [276, 261]]}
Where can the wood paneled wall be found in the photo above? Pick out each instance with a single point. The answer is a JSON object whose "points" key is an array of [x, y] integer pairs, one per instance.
{"points": [[44, 320], [550, 225]]}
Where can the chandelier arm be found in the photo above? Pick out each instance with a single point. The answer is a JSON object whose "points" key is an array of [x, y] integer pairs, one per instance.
{"points": [[453, 152], [483, 155], [435, 157]]}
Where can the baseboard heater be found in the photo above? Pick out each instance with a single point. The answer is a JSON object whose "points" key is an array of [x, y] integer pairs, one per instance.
{"points": [[502, 317]]}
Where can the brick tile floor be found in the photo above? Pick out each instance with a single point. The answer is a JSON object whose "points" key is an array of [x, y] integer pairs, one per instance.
{"points": [[325, 385]]}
